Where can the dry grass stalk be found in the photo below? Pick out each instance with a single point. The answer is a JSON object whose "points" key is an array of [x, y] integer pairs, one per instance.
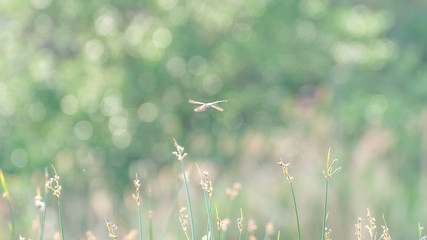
{"points": [[222, 224], [183, 221], [358, 227], [285, 167], [240, 224], [179, 154], [111, 230], [206, 183], [53, 184], [137, 185], [371, 227]]}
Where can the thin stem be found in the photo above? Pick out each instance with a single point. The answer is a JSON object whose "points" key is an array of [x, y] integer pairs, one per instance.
{"points": [[43, 213], [139, 222], [240, 236], [189, 201], [12, 219], [208, 209], [296, 211], [150, 215], [6, 195], [324, 213], [60, 218]]}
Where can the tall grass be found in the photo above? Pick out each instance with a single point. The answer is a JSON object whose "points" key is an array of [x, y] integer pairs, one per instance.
{"points": [[248, 233], [55, 187], [207, 192], [137, 198], [180, 155], [285, 167], [327, 174], [6, 195]]}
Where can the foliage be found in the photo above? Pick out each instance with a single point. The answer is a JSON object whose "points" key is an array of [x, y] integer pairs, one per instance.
{"points": [[99, 89]]}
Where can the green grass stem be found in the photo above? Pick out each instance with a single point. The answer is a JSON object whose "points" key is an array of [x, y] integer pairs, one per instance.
{"points": [[7, 196], [208, 209], [208, 201], [12, 219], [139, 222], [60, 218], [189, 201], [296, 211], [150, 216], [43, 213], [324, 212]]}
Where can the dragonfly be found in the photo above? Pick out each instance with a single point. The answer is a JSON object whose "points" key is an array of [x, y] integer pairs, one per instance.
{"points": [[205, 106]]}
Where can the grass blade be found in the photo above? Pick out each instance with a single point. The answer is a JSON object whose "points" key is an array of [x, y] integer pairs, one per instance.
{"points": [[7, 196], [324, 212], [296, 212], [193, 234], [150, 215]]}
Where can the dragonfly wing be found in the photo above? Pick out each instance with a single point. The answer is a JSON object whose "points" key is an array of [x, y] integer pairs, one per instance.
{"points": [[194, 102], [217, 108]]}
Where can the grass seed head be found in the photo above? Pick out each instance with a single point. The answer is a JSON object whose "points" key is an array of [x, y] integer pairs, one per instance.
{"points": [[269, 228], [358, 229], [420, 232], [183, 221], [53, 184], [371, 227], [328, 233], [285, 167], [136, 194], [206, 183], [222, 224], [111, 230], [234, 192], [39, 203], [90, 236], [240, 221], [330, 167], [385, 234], [252, 225], [179, 154]]}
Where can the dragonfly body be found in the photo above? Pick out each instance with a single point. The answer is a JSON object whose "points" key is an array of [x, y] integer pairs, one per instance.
{"points": [[205, 106]]}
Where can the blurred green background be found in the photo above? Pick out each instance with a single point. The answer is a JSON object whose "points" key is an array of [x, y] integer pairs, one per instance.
{"points": [[99, 89]]}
